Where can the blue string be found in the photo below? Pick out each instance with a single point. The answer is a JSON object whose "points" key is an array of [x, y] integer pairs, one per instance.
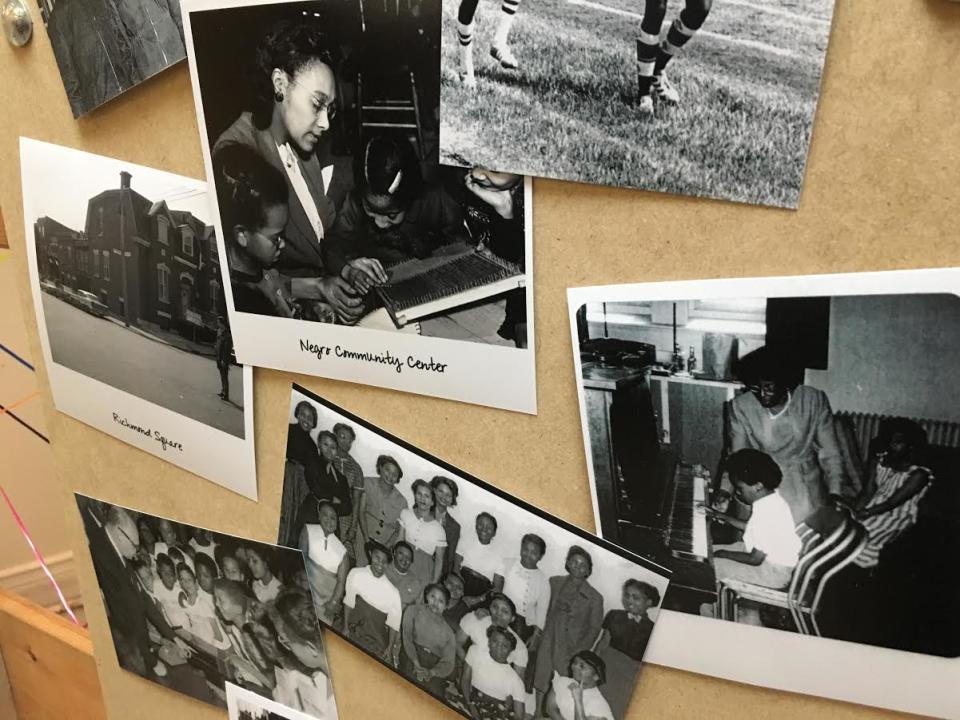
{"points": [[16, 357]]}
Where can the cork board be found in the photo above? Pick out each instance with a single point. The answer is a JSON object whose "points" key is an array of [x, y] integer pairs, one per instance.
{"points": [[880, 193]]}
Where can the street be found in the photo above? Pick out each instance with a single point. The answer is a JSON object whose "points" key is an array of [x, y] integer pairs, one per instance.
{"points": [[179, 381]]}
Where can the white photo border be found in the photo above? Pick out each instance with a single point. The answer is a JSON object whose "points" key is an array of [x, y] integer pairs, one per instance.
{"points": [[210, 453], [864, 674], [495, 376]]}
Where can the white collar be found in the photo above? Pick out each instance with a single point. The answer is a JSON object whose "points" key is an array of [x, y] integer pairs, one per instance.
{"points": [[781, 411]]}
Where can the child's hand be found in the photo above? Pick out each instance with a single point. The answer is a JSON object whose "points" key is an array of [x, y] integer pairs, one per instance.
{"points": [[339, 293], [364, 274], [500, 200]]}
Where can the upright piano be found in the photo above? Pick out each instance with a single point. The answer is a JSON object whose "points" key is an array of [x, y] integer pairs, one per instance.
{"points": [[648, 501]]}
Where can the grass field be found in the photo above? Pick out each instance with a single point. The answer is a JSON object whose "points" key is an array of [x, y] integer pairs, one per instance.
{"points": [[749, 84]]}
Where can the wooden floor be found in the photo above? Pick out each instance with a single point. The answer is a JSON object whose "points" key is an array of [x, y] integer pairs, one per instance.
{"points": [[48, 665]]}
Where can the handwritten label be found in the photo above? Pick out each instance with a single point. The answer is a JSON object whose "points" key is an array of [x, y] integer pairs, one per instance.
{"points": [[377, 358], [165, 442]]}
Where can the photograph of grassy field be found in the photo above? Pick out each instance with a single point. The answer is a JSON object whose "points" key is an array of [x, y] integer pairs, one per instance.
{"points": [[748, 81]]}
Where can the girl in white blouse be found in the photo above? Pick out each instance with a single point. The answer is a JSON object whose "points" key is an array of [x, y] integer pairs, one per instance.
{"points": [[327, 563], [480, 563], [577, 695], [265, 584], [420, 528]]}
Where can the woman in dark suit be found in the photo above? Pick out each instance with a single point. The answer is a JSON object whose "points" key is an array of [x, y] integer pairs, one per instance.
{"points": [[445, 491], [296, 95]]}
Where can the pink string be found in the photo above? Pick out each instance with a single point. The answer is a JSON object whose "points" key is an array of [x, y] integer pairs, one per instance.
{"points": [[38, 556]]}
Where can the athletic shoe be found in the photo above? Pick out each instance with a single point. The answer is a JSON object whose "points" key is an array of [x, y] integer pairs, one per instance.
{"points": [[645, 106], [664, 91], [503, 55]]}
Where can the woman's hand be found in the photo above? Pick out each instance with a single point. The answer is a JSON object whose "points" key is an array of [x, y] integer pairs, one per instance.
{"points": [[364, 274], [500, 200], [341, 297]]}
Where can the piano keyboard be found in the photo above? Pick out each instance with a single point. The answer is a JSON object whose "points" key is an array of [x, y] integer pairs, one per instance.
{"points": [[687, 528]]}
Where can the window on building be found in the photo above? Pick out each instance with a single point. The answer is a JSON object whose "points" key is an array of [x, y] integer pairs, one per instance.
{"points": [[187, 241], [212, 242], [163, 229], [106, 264], [100, 219], [163, 283], [96, 263], [214, 293]]}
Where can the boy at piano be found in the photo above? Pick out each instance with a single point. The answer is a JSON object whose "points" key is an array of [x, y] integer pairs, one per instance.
{"points": [[391, 216], [770, 546]]}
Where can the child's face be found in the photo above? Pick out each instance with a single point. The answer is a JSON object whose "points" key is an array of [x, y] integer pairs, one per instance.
{"points": [[264, 244], [485, 529], [500, 613], [423, 498], [635, 601], [344, 439], [230, 610], [529, 554], [328, 519], [303, 617], [390, 473], [455, 587], [188, 582], [383, 210], [328, 447], [258, 568], [305, 419], [167, 532], [378, 563], [499, 647], [436, 601], [205, 577], [146, 534], [267, 641], [748, 494], [578, 566], [583, 673], [402, 558], [491, 180], [231, 569], [167, 576], [898, 447], [203, 537], [444, 495]]}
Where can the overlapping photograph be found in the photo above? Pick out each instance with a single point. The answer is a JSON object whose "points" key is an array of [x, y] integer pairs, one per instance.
{"points": [[789, 447], [352, 253], [487, 603], [197, 611], [711, 99], [128, 292]]}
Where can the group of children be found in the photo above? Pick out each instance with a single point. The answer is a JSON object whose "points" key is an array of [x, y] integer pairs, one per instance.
{"points": [[242, 609], [390, 215], [477, 624]]}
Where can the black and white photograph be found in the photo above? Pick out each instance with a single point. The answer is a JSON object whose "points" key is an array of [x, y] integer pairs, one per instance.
{"points": [[193, 610], [349, 246], [793, 458], [128, 291], [489, 604], [243, 704], [688, 97], [105, 48]]}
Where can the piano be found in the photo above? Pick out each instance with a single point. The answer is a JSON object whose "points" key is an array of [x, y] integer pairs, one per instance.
{"points": [[649, 502]]}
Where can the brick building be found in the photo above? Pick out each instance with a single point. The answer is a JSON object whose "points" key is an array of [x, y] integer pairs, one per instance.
{"points": [[149, 264]]}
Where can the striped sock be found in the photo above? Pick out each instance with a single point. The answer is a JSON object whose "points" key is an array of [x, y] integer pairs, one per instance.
{"points": [[648, 45], [465, 35], [678, 36], [508, 11]]}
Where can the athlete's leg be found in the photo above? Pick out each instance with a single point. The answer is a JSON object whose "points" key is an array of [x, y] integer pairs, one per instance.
{"points": [[681, 30], [648, 43], [500, 50], [465, 13]]}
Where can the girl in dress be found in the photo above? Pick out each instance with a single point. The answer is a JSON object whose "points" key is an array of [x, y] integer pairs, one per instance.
{"points": [[474, 626], [303, 677], [202, 627], [574, 619], [327, 564], [234, 569], [446, 491], [480, 563], [491, 688], [891, 499], [623, 641], [456, 607], [577, 695], [429, 645], [420, 528], [167, 592], [329, 484], [207, 572], [265, 584], [377, 516], [352, 471], [372, 608]]}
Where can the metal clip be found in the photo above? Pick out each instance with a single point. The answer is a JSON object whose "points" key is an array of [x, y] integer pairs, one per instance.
{"points": [[17, 22]]}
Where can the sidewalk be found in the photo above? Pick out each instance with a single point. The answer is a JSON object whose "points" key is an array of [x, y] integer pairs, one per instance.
{"points": [[167, 337]]}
